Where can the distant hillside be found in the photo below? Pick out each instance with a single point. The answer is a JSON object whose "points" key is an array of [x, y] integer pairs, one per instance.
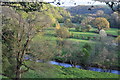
{"points": [[83, 9], [57, 13]]}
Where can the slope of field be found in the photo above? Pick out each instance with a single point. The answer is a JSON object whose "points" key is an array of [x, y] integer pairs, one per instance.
{"points": [[61, 72]]}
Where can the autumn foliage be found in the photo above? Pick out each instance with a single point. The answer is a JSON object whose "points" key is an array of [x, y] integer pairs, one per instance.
{"points": [[62, 32], [101, 23]]}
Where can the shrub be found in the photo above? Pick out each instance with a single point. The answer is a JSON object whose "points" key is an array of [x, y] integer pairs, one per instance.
{"points": [[78, 28], [86, 28], [118, 40], [72, 35], [54, 25], [62, 32]]}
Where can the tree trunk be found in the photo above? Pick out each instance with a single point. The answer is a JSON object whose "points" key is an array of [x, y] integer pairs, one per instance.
{"points": [[18, 72]]}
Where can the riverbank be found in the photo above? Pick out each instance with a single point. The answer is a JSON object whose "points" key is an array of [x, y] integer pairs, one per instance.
{"points": [[93, 65], [88, 68], [55, 71]]}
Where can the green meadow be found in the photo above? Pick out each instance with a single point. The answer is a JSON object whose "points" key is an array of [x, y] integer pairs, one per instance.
{"points": [[54, 71]]}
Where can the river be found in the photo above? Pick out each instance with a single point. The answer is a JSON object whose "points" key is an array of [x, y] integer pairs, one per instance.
{"points": [[90, 68], [77, 66]]}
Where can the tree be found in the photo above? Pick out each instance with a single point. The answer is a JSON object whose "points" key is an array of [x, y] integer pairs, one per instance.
{"points": [[86, 50], [18, 34], [85, 24], [114, 20], [75, 55], [102, 34], [63, 32], [78, 27], [68, 23], [101, 23], [100, 12], [86, 28], [27, 6], [72, 53], [104, 53], [86, 21], [77, 19]]}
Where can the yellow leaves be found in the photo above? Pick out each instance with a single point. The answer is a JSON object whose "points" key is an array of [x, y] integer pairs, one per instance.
{"points": [[57, 26], [101, 23]]}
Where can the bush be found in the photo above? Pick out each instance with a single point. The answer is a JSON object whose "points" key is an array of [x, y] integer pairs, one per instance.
{"points": [[62, 32], [78, 28], [86, 28], [54, 25], [72, 35], [118, 39]]}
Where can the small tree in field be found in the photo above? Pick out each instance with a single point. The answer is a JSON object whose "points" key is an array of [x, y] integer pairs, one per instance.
{"points": [[101, 23], [102, 34], [78, 27], [63, 32], [68, 24], [86, 28]]}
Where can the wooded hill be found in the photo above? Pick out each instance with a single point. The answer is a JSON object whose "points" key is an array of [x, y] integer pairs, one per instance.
{"points": [[83, 9], [55, 13]]}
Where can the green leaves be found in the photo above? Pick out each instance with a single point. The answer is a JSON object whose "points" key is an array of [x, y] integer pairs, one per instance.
{"points": [[62, 32]]}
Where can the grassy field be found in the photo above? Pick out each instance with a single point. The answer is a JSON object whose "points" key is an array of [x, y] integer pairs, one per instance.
{"points": [[113, 31], [55, 71], [81, 37], [78, 36]]}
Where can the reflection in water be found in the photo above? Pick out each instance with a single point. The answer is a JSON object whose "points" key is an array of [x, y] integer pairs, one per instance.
{"points": [[90, 68]]}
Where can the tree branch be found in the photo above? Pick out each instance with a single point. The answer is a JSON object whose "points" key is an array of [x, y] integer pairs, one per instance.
{"points": [[26, 69]]}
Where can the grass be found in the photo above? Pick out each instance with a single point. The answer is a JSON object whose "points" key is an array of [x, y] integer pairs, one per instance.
{"points": [[4, 77], [54, 71], [49, 34], [79, 73], [113, 31]]}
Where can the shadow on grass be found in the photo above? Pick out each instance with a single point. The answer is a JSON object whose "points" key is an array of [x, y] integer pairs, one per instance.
{"points": [[50, 35], [49, 29]]}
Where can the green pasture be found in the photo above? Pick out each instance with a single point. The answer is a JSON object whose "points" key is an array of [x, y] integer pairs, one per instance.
{"points": [[50, 34], [113, 31]]}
